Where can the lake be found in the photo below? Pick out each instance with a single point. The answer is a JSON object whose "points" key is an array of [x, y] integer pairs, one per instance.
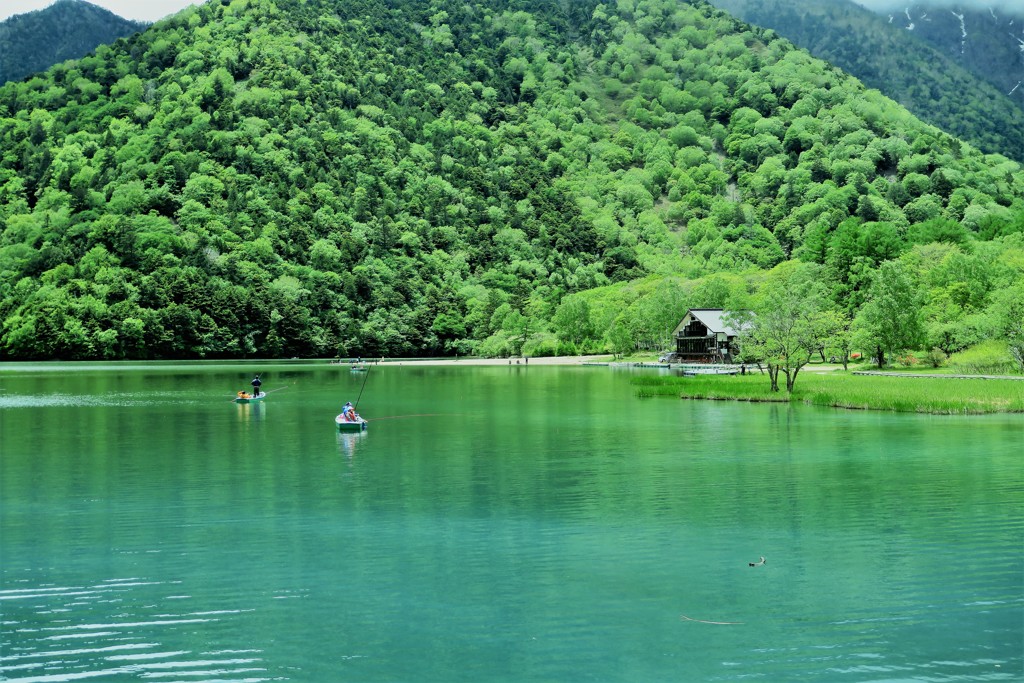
{"points": [[494, 523]]}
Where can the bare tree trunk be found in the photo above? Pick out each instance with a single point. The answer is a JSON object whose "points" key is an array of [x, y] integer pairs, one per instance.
{"points": [[1017, 350], [791, 379]]}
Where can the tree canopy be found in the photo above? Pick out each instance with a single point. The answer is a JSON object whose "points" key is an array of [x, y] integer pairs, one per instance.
{"points": [[310, 178]]}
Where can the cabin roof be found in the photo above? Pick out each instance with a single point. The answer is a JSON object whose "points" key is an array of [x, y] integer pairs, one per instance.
{"points": [[714, 320]]}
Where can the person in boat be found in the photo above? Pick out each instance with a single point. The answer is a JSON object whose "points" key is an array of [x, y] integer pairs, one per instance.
{"points": [[243, 394], [349, 413], [256, 382]]}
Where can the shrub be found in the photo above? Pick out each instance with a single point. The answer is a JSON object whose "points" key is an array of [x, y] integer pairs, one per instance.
{"points": [[567, 348], [498, 345], [936, 357], [907, 360], [544, 346]]}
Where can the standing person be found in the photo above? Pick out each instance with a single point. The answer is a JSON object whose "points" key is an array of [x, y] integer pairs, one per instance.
{"points": [[256, 386]]}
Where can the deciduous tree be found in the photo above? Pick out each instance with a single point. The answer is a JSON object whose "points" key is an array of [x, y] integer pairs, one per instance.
{"points": [[785, 326], [891, 320]]}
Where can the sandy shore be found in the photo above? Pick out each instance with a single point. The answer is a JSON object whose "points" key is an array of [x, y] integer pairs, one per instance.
{"points": [[549, 360]]}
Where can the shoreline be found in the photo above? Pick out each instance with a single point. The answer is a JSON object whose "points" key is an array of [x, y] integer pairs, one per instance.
{"points": [[606, 358], [865, 392], [532, 360]]}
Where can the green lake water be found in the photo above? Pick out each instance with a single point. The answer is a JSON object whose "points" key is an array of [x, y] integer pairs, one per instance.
{"points": [[518, 523]]}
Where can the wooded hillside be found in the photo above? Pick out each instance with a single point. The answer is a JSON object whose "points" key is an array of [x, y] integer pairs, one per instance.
{"points": [[288, 178]]}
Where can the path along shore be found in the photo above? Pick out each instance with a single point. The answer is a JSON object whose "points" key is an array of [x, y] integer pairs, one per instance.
{"points": [[560, 360]]}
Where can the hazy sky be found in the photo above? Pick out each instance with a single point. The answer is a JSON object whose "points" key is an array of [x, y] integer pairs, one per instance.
{"points": [[140, 10]]}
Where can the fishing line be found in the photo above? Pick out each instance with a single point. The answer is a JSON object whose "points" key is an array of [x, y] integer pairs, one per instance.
{"points": [[399, 417]]}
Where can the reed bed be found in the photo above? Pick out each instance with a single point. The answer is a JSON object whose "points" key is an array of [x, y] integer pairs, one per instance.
{"points": [[723, 387], [840, 390]]}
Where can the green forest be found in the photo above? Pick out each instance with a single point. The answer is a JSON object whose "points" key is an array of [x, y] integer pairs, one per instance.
{"points": [[308, 178]]}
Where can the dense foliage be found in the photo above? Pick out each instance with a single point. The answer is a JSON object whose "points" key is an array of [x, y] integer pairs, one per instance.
{"points": [[957, 77], [67, 29], [310, 178]]}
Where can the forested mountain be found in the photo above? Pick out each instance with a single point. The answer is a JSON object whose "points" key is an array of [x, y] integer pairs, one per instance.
{"points": [[956, 68], [985, 39], [310, 178], [67, 29]]}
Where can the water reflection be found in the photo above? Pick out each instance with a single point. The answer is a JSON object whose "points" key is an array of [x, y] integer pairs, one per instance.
{"points": [[348, 441], [250, 412]]}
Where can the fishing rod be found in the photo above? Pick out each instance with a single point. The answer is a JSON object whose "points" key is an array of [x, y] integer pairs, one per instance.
{"points": [[361, 389]]}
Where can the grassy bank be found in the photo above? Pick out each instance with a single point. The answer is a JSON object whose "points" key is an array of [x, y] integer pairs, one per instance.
{"points": [[841, 390]]}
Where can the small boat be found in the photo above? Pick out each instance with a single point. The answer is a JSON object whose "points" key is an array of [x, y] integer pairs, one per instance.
{"points": [[245, 397], [358, 368], [345, 425]]}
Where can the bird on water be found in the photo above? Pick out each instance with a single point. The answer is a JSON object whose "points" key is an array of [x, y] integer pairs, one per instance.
{"points": [[758, 563]]}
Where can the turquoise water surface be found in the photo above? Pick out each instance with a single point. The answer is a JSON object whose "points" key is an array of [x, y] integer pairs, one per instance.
{"points": [[493, 524]]}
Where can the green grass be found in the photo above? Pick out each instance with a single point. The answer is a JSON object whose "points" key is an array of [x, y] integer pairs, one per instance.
{"points": [[991, 357], [842, 390]]}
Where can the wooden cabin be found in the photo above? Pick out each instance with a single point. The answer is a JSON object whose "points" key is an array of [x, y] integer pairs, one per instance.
{"points": [[704, 336]]}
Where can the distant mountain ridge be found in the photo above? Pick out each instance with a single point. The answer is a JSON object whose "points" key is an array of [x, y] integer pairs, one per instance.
{"points": [[960, 78], [67, 29], [987, 42]]}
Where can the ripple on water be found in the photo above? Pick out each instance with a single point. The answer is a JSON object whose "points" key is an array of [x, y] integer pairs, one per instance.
{"points": [[99, 634], [73, 400]]}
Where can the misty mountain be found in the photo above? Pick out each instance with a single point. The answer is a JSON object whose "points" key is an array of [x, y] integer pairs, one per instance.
{"points": [[67, 29], [986, 40], [953, 67]]}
